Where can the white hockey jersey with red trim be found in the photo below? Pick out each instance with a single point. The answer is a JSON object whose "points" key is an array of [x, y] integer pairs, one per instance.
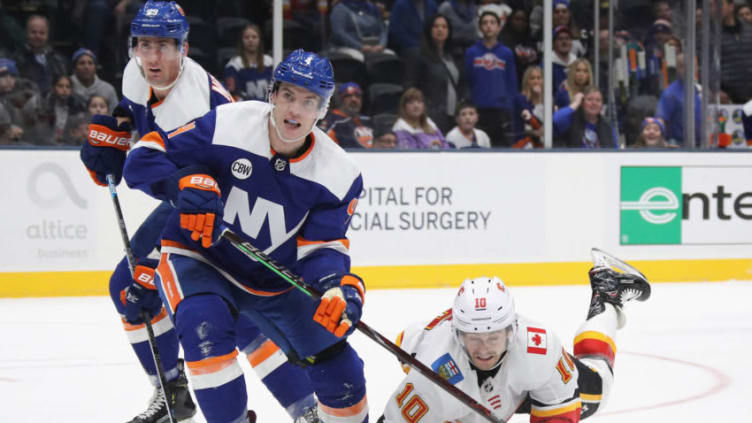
{"points": [[535, 367]]}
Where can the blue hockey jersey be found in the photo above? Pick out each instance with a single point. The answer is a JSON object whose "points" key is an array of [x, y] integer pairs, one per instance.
{"points": [[297, 210], [195, 93]]}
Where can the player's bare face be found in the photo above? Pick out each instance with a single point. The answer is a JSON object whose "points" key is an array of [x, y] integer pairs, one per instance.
{"points": [[485, 349], [160, 60], [295, 111]]}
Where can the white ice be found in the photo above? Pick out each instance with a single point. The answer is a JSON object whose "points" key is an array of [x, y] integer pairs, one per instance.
{"points": [[683, 356]]}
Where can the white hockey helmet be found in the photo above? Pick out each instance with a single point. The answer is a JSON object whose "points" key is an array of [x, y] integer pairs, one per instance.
{"points": [[483, 305]]}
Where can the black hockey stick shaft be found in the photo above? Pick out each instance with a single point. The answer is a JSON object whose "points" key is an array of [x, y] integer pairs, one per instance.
{"points": [[281, 271], [145, 315]]}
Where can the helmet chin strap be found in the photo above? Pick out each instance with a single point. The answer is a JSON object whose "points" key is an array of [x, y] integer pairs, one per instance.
{"points": [[279, 134], [160, 87]]}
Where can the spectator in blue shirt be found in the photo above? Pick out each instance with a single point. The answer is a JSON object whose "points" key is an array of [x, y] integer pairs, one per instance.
{"points": [[563, 55], [584, 127], [671, 107], [492, 75]]}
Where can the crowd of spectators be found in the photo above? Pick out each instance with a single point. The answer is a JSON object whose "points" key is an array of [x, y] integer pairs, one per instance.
{"points": [[410, 73]]}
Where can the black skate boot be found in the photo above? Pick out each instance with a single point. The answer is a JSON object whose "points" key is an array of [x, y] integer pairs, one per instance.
{"points": [[311, 415], [616, 288], [180, 401]]}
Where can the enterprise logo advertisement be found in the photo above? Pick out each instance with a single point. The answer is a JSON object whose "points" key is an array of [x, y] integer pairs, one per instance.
{"points": [[685, 205]]}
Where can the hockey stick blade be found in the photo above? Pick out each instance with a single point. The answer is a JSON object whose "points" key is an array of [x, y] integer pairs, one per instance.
{"points": [[144, 315], [259, 256]]}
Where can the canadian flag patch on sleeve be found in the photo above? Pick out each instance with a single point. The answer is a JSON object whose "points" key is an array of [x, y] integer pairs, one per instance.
{"points": [[536, 340]]}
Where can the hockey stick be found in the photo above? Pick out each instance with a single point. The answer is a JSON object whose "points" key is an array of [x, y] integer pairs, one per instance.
{"points": [[257, 255], [145, 314]]}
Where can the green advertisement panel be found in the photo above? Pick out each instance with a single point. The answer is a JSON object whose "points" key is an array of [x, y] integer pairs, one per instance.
{"points": [[651, 205]]}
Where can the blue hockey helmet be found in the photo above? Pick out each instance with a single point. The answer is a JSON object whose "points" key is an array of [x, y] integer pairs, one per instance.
{"points": [[160, 19], [307, 70]]}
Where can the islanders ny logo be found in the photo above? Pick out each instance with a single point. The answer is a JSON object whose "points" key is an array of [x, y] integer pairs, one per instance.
{"points": [[489, 61]]}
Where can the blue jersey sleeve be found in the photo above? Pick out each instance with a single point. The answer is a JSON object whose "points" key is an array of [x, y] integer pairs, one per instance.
{"points": [[159, 159], [323, 247]]}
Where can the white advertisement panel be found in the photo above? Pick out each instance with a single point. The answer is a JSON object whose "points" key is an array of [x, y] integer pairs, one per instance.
{"points": [[55, 218], [447, 208], [419, 209]]}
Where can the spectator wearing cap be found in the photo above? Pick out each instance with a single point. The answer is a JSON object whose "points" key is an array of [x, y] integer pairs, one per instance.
{"points": [[671, 107], [85, 81], [652, 134], [345, 125], [14, 93], [561, 16], [563, 55], [492, 75], [38, 61]]}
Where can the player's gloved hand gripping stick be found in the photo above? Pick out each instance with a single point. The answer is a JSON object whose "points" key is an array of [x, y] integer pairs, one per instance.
{"points": [[145, 316], [104, 152], [345, 304]]}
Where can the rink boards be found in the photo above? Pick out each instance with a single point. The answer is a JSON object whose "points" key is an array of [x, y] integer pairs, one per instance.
{"points": [[430, 219]]}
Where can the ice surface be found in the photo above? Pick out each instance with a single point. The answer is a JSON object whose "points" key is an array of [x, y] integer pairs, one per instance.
{"points": [[683, 355]]}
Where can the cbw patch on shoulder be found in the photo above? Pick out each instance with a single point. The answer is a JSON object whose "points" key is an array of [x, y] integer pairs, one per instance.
{"points": [[447, 368]]}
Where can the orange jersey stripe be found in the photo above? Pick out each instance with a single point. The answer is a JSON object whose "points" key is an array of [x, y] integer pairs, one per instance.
{"points": [[154, 137], [262, 353], [345, 412], [307, 152], [129, 327], [169, 284], [212, 364], [184, 128], [344, 241]]}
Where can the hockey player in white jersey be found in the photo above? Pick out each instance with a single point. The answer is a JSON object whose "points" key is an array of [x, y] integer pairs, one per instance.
{"points": [[511, 364]]}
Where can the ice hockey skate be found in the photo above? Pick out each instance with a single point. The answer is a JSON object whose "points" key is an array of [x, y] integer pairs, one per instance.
{"points": [[615, 282], [310, 416], [181, 402]]}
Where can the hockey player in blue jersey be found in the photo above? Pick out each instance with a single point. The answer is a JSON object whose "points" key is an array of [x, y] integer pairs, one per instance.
{"points": [[265, 171], [163, 89]]}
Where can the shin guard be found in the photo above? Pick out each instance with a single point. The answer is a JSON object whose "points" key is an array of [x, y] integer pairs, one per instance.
{"points": [[340, 387], [206, 329]]}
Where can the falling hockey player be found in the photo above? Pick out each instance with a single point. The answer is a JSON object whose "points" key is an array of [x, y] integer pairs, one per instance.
{"points": [[511, 364]]}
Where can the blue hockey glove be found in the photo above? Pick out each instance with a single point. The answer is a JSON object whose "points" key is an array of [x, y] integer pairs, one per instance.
{"points": [[104, 151], [201, 208], [342, 303], [141, 295]]}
